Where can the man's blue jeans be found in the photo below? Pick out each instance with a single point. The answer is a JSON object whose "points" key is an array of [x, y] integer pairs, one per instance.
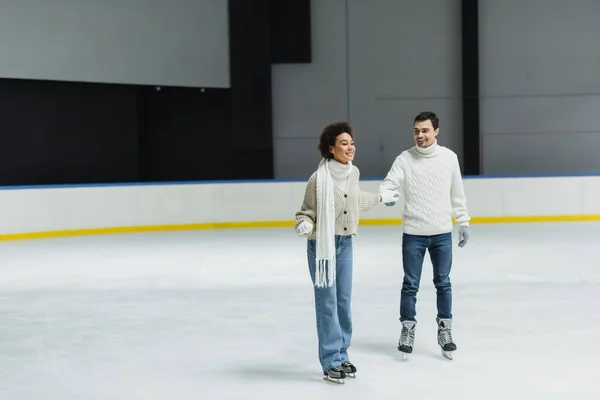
{"points": [[413, 255], [332, 305]]}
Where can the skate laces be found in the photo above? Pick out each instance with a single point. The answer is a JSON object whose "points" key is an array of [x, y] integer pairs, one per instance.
{"points": [[407, 336], [446, 335]]}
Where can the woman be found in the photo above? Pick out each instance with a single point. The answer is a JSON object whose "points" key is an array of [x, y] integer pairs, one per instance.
{"points": [[329, 218]]}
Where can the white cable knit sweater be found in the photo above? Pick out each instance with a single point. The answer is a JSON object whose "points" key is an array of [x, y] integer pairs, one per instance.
{"points": [[431, 182]]}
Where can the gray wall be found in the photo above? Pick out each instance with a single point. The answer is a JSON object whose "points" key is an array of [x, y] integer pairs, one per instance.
{"points": [[376, 63], [155, 42], [540, 86]]}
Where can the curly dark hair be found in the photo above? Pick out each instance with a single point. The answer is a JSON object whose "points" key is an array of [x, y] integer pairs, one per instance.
{"points": [[330, 133]]}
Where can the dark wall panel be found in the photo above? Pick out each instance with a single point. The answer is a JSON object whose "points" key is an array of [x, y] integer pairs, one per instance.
{"points": [[184, 134], [470, 86], [61, 133], [290, 23], [250, 74], [76, 133]]}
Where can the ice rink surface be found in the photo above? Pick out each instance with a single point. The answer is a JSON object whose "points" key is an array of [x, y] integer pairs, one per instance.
{"points": [[228, 314]]}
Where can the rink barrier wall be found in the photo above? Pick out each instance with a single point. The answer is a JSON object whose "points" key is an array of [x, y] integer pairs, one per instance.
{"points": [[29, 212]]}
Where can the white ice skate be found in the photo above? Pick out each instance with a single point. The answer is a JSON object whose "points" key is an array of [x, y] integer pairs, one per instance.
{"points": [[445, 337], [407, 338]]}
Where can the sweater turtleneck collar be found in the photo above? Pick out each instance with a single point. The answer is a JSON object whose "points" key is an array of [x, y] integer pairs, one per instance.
{"points": [[427, 151]]}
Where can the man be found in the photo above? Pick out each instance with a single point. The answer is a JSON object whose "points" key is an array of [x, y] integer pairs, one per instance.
{"points": [[430, 178]]}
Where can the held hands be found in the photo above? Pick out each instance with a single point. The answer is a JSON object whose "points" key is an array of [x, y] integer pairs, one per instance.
{"points": [[389, 197], [463, 235], [305, 228]]}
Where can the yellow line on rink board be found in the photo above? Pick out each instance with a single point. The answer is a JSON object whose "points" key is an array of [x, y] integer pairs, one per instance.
{"points": [[277, 224]]}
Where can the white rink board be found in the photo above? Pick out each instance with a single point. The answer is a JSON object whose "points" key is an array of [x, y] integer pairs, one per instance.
{"points": [[26, 210]]}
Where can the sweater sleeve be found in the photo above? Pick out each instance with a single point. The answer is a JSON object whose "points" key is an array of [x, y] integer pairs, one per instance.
{"points": [[459, 199], [394, 178], [308, 209]]}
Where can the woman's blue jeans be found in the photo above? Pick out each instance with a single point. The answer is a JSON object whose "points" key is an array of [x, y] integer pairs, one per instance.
{"points": [[332, 305]]}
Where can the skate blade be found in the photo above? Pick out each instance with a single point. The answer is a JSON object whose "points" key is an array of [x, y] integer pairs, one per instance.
{"points": [[333, 380], [351, 375], [447, 354]]}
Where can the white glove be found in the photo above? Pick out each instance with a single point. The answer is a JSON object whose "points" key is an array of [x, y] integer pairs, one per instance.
{"points": [[305, 228], [389, 197], [463, 236]]}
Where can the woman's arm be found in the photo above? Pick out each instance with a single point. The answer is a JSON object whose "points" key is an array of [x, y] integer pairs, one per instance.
{"points": [[308, 209]]}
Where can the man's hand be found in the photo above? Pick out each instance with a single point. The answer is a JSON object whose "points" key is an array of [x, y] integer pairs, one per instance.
{"points": [[463, 236], [389, 197]]}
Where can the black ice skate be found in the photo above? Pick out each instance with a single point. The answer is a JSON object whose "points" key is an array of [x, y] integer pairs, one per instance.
{"points": [[349, 369], [407, 338], [445, 337], [335, 375]]}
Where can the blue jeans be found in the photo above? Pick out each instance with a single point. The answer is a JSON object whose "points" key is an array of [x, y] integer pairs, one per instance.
{"points": [[413, 254], [332, 305]]}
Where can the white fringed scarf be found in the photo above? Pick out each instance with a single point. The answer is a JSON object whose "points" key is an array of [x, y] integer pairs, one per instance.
{"points": [[325, 230]]}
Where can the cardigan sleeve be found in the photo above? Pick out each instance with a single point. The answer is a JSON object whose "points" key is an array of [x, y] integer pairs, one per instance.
{"points": [[366, 200], [308, 209]]}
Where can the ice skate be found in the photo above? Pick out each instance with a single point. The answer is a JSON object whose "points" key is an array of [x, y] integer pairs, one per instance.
{"points": [[335, 375], [349, 369], [445, 337], [407, 338]]}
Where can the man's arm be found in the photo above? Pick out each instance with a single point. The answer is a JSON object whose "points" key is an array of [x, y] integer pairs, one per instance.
{"points": [[394, 178], [458, 197]]}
